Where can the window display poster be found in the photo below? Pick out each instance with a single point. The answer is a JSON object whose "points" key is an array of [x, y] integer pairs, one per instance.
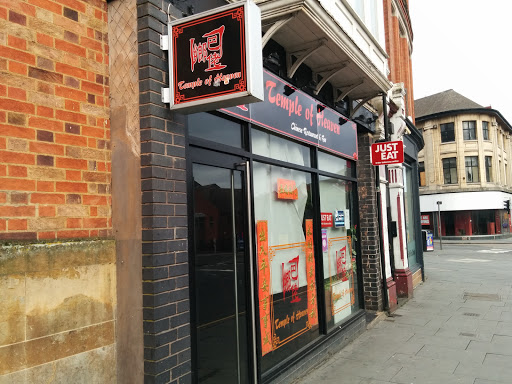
{"points": [[341, 300], [326, 218], [325, 245], [339, 219]]}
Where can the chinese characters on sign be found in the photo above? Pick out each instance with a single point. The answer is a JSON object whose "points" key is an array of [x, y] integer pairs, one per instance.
{"points": [[264, 286], [285, 314], [341, 279], [287, 190], [220, 68], [310, 270], [341, 263], [290, 276], [209, 51]]}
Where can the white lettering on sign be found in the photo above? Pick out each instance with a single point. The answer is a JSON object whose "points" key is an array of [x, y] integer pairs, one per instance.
{"points": [[387, 153]]}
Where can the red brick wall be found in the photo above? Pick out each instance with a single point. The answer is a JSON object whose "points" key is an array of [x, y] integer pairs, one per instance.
{"points": [[397, 47], [54, 120]]}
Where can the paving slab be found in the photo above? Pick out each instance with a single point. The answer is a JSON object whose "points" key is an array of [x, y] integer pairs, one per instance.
{"points": [[489, 347], [415, 376], [452, 354]]}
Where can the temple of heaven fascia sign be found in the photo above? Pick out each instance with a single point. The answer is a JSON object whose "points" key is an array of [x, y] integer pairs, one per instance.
{"points": [[215, 59]]}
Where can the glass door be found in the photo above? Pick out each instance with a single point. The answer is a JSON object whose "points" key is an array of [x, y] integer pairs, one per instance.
{"points": [[221, 263]]}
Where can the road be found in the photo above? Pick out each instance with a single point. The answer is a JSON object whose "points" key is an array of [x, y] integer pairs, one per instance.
{"points": [[456, 329]]}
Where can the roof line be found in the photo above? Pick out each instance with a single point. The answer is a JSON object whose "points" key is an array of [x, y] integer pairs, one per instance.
{"points": [[466, 110]]}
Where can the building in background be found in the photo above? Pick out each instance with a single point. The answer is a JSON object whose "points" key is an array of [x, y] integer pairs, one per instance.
{"points": [[464, 166]]}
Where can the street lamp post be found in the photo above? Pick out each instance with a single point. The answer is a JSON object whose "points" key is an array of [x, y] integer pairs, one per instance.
{"points": [[439, 224]]}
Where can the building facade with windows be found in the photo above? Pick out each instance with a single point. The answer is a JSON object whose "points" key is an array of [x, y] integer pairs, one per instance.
{"points": [[465, 166], [143, 245]]}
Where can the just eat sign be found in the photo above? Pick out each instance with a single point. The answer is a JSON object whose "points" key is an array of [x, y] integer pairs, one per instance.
{"points": [[391, 152]]}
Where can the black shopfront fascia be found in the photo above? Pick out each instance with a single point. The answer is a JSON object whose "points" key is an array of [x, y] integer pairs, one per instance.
{"points": [[245, 153]]}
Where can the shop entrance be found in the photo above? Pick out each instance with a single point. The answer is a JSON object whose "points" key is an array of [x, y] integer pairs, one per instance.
{"points": [[224, 334]]}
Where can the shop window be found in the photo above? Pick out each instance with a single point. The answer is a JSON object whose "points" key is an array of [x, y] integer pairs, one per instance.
{"points": [[288, 313], [447, 132], [421, 174], [488, 168], [334, 164], [214, 128], [469, 130], [485, 130], [275, 147], [450, 170], [472, 170], [410, 216], [338, 250]]}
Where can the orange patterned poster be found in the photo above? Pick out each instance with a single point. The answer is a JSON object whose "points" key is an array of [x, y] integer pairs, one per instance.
{"points": [[287, 190], [310, 270], [264, 286]]}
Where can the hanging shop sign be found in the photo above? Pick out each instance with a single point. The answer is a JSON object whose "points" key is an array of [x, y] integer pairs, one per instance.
{"points": [[215, 59], [293, 113], [391, 152], [425, 220]]}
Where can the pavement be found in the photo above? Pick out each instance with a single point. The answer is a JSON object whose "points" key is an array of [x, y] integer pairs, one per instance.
{"points": [[456, 329]]}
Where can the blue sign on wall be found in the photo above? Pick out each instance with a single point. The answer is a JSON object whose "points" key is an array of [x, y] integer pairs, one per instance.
{"points": [[339, 219]]}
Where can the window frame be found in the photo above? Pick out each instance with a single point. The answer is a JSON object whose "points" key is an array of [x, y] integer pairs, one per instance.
{"points": [[472, 167], [488, 168], [445, 137], [422, 172], [450, 163], [468, 132], [485, 130]]}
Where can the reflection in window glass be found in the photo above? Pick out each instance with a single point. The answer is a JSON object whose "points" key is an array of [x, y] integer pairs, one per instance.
{"points": [[469, 130], [421, 174], [286, 262], [275, 147], [485, 130], [339, 261], [409, 217], [337, 165], [450, 170], [447, 132], [488, 168], [472, 170], [211, 127]]}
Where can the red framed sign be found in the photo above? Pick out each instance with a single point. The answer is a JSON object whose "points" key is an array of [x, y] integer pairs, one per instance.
{"points": [[425, 220], [215, 59], [326, 219], [391, 152]]}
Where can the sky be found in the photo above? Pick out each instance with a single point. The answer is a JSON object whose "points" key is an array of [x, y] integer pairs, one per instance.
{"points": [[464, 45]]}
